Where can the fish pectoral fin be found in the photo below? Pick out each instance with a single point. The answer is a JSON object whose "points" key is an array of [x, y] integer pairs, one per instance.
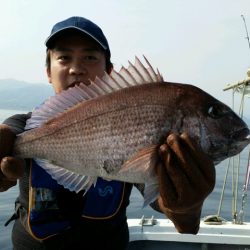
{"points": [[151, 191], [68, 179], [143, 161]]}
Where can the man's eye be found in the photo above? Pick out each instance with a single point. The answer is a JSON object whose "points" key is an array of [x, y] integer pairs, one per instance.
{"points": [[90, 58], [63, 58]]}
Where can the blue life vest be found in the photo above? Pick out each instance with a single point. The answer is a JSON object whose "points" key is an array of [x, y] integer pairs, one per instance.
{"points": [[46, 217]]}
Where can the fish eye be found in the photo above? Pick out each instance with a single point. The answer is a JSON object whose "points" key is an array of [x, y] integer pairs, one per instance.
{"points": [[215, 111]]}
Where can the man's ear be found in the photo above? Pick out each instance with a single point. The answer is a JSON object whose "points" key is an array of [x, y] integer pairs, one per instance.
{"points": [[48, 74]]}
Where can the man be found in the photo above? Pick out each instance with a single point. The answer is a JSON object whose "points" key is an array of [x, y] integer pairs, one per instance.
{"points": [[51, 217]]}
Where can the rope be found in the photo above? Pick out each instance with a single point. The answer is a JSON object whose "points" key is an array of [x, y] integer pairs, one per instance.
{"points": [[244, 192], [235, 184], [242, 102], [223, 188], [236, 160], [240, 217]]}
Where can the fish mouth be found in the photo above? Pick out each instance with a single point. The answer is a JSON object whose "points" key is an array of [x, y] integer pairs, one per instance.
{"points": [[241, 135], [238, 141]]}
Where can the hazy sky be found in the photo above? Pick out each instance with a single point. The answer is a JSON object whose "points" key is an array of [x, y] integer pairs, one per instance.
{"points": [[202, 42]]}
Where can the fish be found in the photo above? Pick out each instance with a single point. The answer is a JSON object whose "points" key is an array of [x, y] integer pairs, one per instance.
{"points": [[113, 128]]}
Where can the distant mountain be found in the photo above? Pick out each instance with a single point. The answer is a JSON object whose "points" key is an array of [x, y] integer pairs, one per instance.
{"points": [[21, 95]]}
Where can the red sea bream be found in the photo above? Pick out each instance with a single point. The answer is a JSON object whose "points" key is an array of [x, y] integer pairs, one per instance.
{"points": [[113, 128]]}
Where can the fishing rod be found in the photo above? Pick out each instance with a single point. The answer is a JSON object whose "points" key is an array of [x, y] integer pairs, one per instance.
{"points": [[247, 37]]}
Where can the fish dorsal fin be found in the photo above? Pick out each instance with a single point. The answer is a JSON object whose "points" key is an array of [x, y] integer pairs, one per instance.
{"points": [[136, 74]]}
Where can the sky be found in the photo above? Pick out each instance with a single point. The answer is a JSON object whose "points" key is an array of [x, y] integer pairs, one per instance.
{"points": [[200, 42]]}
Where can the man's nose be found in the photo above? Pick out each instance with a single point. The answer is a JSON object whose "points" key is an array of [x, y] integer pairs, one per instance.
{"points": [[77, 69]]}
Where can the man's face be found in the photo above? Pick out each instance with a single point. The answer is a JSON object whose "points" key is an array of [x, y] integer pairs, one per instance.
{"points": [[73, 60]]}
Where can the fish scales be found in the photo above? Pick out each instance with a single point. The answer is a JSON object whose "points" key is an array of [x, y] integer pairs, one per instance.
{"points": [[112, 127]]}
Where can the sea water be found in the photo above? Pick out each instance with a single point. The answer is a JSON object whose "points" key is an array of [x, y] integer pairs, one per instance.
{"points": [[135, 210]]}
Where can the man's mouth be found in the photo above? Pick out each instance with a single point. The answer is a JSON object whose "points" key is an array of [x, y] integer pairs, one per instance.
{"points": [[77, 83]]}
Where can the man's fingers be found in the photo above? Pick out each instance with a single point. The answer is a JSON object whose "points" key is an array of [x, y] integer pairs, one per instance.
{"points": [[12, 168], [172, 177], [7, 139], [195, 150], [184, 160], [206, 164], [167, 188]]}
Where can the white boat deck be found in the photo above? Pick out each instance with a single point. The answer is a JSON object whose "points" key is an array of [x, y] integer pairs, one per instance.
{"points": [[224, 236]]}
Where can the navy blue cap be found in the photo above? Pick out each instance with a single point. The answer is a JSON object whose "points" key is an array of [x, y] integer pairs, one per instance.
{"points": [[81, 24]]}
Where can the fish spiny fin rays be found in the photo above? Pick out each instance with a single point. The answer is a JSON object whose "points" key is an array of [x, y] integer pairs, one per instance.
{"points": [[157, 77], [144, 162], [68, 179], [136, 74]]}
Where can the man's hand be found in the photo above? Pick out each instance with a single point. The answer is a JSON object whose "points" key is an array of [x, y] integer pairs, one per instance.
{"points": [[11, 168], [186, 177]]}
